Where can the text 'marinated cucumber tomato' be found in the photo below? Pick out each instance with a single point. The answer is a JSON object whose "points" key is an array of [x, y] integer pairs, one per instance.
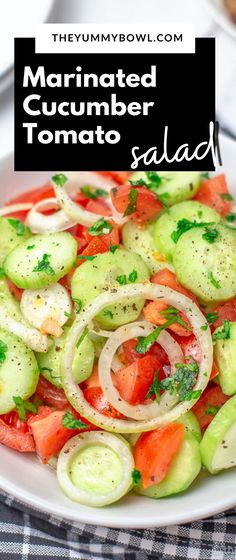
{"points": [[117, 330]]}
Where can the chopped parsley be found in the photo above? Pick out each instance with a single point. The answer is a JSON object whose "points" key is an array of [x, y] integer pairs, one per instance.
{"points": [[204, 327], [92, 192], [78, 304], [136, 476], [82, 337], [222, 334], [3, 351], [17, 225], [213, 280], [226, 196], [67, 314], [46, 369], [122, 279], [132, 205], [23, 407], [153, 183], [59, 179], [212, 317], [145, 342], [206, 175], [101, 227], [108, 313], [183, 381], [30, 247], [172, 313], [155, 388], [185, 225], [87, 257], [231, 217], [69, 421], [212, 410], [2, 272], [44, 266], [210, 235], [113, 248], [133, 276]]}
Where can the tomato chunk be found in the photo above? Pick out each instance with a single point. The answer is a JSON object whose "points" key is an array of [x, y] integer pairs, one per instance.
{"points": [[95, 246], [118, 176], [154, 452], [16, 439], [34, 195], [94, 395], [50, 394], [166, 277], [133, 382], [152, 313], [147, 205], [98, 207], [213, 396], [111, 238], [16, 292], [226, 312], [49, 434], [213, 193]]}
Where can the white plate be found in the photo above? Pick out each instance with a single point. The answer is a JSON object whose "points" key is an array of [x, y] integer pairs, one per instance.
{"points": [[36, 485], [220, 15], [17, 19]]}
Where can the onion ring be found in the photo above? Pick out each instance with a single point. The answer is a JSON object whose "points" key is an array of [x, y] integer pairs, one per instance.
{"points": [[53, 223], [12, 208]]}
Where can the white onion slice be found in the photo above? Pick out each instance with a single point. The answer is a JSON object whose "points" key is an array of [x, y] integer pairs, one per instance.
{"points": [[53, 302], [76, 212], [151, 292], [39, 223], [30, 336], [12, 208], [105, 364]]}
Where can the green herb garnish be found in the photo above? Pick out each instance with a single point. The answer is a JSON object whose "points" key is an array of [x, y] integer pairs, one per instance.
{"points": [[212, 410], [210, 235], [183, 381], [226, 196], [30, 247], [172, 313], [206, 175], [223, 334], [69, 421], [23, 407], [59, 179], [212, 317], [213, 280], [136, 476], [2, 272], [86, 257], [78, 304], [145, 342], [101, 227], [133, 276], [3, 351], [155, 388], [108, 313], [92, 192], [44, 266], [17, 225], [132, 205], [185, 225], [122, 279], [82, 337], [113, 248], [231, 217], [204, 327]]}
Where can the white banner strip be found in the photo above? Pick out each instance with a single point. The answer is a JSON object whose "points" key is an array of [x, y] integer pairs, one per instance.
{"points": [[115, 38]]}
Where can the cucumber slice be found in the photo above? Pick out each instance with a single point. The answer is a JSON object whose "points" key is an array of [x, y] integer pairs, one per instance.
{"points": [[8, 301], [177, 185], [191, 424], [167, 223], [18, 373], [140, 240], [94, 277], [207, 269], [41, 260], [218, 445], [184, 469], [94, 468], [49, 363], [13, 232], [225, 355]]}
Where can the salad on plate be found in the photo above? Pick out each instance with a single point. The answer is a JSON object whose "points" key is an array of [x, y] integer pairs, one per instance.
{"points": [[118, 330]]}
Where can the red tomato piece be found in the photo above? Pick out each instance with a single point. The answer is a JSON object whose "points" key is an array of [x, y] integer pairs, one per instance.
{"points": [[211, 397], [226, 312], [95, 246], [98, 206], [118, 176], [152, 313], [154, 452], [210, 193], [49, 434], [15, 438], [34, 195], [133, 381], [111, 238], [95, 397], [166, 277], [147, 205], [16, 292], [50, 394], [190, 346]]}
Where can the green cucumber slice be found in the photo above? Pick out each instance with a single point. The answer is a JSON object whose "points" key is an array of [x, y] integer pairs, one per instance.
{"points": [[49, 363], [9, 303], [100, 274], [140, 240], [94, 468], [225, 355], [185, 468], [13, 232], [175, 186], [18, 373], [207, 269], [191, 424], [41, 260], [218, 445], [167, 223]]}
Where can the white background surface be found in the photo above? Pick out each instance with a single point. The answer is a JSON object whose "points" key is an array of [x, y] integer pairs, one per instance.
{"points": [[189, 11]]}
